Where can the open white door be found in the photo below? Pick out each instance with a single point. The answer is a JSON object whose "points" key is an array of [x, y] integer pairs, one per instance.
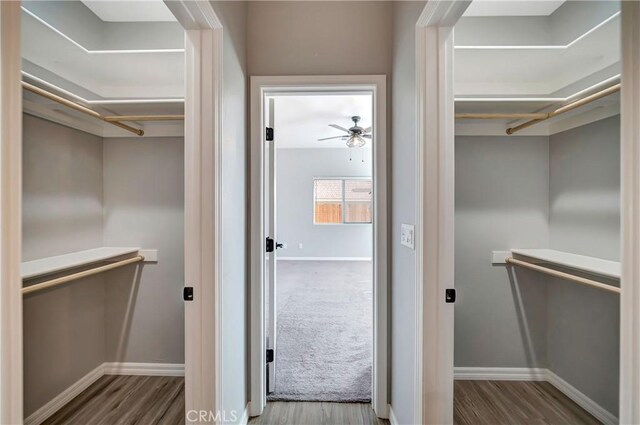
{"points": [[272, 245]]}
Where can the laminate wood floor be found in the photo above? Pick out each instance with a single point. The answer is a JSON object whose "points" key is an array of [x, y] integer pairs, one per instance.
{"points": [[515, 402], [130, 400], [317, 413], [155, 400]]}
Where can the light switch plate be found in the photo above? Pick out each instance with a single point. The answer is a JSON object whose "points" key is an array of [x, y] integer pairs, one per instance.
{"points": [[406, 236]]}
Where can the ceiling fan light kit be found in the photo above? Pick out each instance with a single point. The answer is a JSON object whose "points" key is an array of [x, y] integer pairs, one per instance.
{"points": [[356, 135]]}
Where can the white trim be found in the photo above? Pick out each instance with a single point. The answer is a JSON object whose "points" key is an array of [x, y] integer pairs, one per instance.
{"points": [[537, 374], [500, 374], [59, 401], [143, 369], [244, 419], [630, 217], [203, 180], [11, 361], [92, 52], [311, 84], [392, 417], [434, 235], [324, 259], [540, 47], [600, 413]]}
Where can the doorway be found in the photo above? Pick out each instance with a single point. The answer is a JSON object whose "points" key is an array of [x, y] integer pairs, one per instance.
{"points": [[318, 297], [319, 286]]}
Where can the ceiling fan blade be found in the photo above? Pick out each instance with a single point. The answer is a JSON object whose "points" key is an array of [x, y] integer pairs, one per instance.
{"points": [[367, 130], [366, 136], [329, 138], [336, 126]]}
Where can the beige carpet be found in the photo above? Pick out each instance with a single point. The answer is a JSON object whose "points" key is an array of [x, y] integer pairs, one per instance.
{"points": [[324, 331]]}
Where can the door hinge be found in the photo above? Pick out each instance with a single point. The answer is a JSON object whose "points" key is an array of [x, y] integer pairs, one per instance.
{"points": [[269, 134], [187, 293], [269, 245], [269, 355], [450, 295]]}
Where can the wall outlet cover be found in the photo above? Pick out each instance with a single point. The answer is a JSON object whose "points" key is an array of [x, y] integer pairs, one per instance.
{"points": [[407, 235]]}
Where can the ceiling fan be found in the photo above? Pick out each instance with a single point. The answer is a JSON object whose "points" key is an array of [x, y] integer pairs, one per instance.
{"points": [[355, 136]]}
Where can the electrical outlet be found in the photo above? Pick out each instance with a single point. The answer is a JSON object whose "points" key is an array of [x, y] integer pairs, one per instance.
{"points": [[300, 245]]}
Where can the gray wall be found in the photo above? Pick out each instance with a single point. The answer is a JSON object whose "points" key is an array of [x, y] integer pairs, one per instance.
{"points": [[318, 38], [235, 316], [82, 192], [62, 212], [563, 192], [502, 188], [403, 151], [296, 169], [583, 340], [144, 206]]}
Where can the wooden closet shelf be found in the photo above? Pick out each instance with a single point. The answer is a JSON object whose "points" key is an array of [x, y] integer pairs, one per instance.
{"points": [[45, 266], [592, 265]]}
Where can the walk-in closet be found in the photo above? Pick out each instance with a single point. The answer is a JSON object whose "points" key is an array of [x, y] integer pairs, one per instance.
{"points": [[537, 212], [103, 212]]}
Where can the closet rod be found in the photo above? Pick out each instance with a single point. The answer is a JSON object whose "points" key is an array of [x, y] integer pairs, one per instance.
{"points": [[566, 108], [563, 275], [77, 107], [500, 116], [79, 275], [116, 118]]}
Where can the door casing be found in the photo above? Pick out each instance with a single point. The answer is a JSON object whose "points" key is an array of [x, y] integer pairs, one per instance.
{"points": [[260, 87]]}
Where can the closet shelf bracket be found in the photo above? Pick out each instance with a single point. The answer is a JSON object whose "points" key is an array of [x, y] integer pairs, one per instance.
{"points": [[562, 275]]}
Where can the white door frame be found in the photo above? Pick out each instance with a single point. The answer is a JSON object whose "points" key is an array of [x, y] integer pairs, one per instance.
{"points": [[630, 218], [11, 410], [203, 230], [264, 85], [435, 194], [434, 232]]}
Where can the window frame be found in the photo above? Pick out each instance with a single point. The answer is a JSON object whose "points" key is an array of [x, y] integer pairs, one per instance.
{"points": [[343, 179]]}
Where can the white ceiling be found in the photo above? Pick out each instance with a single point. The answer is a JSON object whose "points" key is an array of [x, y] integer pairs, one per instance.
{"points": [[130, 11], [513, 7], [300, 120]]}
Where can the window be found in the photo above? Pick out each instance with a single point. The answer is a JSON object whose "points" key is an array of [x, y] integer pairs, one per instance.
{"points": [[342, 201]]}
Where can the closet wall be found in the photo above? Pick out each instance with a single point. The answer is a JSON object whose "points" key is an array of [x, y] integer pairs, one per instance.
{"points": [[80, 192], [144, 206], [584, 216], [64, 328], [502, 202], [561, 192]]}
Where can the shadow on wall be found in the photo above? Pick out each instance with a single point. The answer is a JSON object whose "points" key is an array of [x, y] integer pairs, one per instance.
{"points": [[525, 285], [122, 291]]}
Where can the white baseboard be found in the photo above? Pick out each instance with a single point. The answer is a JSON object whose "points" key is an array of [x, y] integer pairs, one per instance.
{"points": [[500, 374], [325, 258], [581, 400], [139, 369], [244, 420], [392, 417], [144, 369], [537, 374], [43, 413]]}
